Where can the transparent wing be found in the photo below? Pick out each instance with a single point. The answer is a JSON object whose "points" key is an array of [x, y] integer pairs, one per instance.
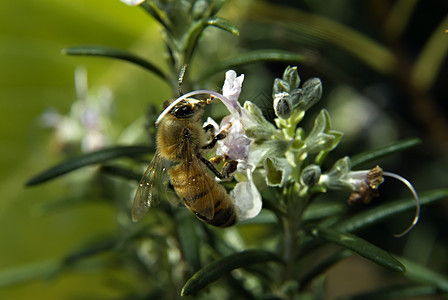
{"points": [[151, 189], [200, 195]]}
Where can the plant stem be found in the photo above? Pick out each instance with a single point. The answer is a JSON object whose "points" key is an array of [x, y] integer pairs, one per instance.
{"points": [[291, 225]]}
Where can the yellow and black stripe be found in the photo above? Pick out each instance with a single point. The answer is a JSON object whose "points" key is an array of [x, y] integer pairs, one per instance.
{"points": [[203, 195]]}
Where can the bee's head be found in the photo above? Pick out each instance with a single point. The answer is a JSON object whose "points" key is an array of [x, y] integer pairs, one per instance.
{"points": [[183, 108], [188, 108]]}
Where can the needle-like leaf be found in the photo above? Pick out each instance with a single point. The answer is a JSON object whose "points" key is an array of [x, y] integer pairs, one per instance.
{"points": [[223, 266], [77, 162], [382, 212], [370, 155], [116, 53], [360, 246], [248, 58]]}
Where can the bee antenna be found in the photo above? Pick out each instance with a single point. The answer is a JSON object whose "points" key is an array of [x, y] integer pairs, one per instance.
{"points": [[180, 79]]}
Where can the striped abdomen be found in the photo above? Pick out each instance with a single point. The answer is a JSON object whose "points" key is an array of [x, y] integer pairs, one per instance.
{"points": [[203, 195]]}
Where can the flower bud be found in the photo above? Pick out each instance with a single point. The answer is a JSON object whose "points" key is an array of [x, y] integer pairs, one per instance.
{"points": [[282, 105], [311, 93], [310, 175], [294, 97], [291, 77], [280, 86], [199, 9]]}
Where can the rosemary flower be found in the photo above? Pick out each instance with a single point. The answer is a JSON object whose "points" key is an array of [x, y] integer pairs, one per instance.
{"points": [[364, 185]]}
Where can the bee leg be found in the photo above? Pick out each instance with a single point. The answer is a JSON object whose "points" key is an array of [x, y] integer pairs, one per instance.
{"points": [[216, 160], [216, 138], [209, 127], [227, 170], [211, 167], [220, 136], [219, 159]]}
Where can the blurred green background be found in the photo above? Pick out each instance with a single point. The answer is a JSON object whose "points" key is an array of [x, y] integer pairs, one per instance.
{"points": [[34, 76]]}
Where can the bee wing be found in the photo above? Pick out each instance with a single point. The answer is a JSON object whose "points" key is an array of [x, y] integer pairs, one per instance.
{"points": [[151, 189], [200, 199]]}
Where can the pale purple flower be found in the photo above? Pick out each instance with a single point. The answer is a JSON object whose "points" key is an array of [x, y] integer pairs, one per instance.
{"points": [[88, 122], [237, 145], [364, 185], [231, 90]]}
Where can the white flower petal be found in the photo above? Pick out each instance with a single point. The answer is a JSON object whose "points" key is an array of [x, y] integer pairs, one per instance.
{"points": [[232, 89], [132, 2], [247, 198], [212, 122]]}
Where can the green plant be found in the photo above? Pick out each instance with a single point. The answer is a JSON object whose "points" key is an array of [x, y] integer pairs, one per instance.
{"points": [[173, 253]]}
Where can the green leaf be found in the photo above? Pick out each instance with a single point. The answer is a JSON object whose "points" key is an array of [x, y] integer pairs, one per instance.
{"points": [[223, 266], [430, 61], [239, 288], [322, 137], [187, 226], [215, 6], [382, 212], [33, 271], [316, 211], [325, 265], [77, 162], [90, 248], [380, 152], [115, 53], [156, 13], [121, 172], [190, 40], [395, 292], [360, 246], [248, 58], [302, 27], [61, 203], [398, 17], [195, 31], [223, 24], [133, 233], [424, 275], [79, 256], [266, 217]]}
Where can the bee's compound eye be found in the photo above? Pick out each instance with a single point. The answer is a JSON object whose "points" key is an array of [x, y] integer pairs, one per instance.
{"points": [[183, 111]]}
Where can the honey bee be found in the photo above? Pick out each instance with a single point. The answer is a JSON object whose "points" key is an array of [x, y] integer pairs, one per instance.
{"points": [[182, 140]]}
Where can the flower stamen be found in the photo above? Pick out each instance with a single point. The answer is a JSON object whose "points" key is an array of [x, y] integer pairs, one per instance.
{"points": [[184, 97], [417, 206]]}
